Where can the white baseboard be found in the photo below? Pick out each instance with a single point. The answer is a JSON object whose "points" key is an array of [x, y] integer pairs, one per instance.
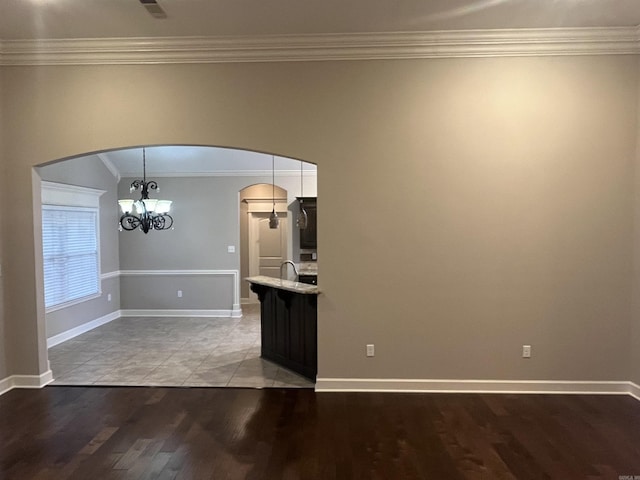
{"points": [[634, 390], [474, 386], [25, 381], [234, 313], [79, 330], [6, 384]]}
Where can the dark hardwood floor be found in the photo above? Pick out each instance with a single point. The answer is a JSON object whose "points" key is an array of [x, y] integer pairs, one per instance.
{"points": [[147, 433]]}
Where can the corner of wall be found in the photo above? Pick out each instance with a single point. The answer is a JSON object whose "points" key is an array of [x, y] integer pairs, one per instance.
{"points": [[634, 347]]}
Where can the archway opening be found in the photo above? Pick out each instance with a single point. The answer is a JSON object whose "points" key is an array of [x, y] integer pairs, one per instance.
{"points": [[156, 283]]}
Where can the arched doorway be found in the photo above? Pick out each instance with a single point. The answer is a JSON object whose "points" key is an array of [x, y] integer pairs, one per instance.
{"points": [[262, 249], [174, 274]]}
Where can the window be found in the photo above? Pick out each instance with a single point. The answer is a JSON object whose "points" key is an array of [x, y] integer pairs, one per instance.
{"points": [[70, 254], [70, 245]]}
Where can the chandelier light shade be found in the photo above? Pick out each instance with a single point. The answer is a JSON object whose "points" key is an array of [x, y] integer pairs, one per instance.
{"points": [[147, 213], [274, 221], [301, 220]]}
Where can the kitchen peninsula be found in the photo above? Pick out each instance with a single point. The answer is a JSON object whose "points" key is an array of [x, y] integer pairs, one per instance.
{"points": [[288, 320]]}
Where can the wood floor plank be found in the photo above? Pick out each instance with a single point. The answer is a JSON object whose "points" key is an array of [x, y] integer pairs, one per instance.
{"points": [[205, 433]]}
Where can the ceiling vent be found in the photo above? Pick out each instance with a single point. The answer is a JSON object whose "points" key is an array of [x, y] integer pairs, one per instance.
{"points": [[153, 8]]}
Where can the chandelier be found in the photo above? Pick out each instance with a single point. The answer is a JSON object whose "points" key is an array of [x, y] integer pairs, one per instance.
{"points": [[151, 214]]}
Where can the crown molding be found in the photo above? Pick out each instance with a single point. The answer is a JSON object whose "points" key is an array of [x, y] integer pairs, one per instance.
{"points": [[109, 165], [291, 48]]}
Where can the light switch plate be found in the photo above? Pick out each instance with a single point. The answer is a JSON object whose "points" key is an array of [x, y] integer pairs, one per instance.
{"points": [[231, 249]]}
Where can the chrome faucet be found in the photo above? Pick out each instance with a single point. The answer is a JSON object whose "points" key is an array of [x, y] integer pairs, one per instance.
{"points": [[283, 264]]}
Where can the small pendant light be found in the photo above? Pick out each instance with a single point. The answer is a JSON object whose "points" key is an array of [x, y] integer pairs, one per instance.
{"points": [[274, 221], [301, 221]]}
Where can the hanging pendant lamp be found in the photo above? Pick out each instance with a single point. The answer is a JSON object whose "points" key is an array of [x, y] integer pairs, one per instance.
{"points": [[152, 214], [301, 220], [274, 221]]}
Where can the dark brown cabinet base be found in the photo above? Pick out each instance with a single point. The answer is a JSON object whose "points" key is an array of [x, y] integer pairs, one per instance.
{"points": [[289, 329]]}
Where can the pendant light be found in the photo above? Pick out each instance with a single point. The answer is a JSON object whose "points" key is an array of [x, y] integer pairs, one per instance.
{"points": [[274, 221], [301, 221], [152, 214]]}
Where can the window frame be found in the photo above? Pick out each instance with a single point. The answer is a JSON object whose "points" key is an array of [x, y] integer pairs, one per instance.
{"points": [[58, 196]]}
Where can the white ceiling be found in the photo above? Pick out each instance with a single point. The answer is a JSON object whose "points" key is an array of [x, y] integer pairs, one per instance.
{"points": [[187, 161], [46, 19]]}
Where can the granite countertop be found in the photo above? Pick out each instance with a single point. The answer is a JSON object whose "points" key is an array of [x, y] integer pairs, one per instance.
{"points": [[297, 287]]}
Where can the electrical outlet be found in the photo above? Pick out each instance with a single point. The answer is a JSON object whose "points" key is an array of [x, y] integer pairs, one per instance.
{"points": [[526, 351], [371, 350], [108, 297], [231, 249], [179, 293]]}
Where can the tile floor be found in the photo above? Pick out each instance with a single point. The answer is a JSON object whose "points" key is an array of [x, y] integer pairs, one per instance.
{"points": [[187, 352]]}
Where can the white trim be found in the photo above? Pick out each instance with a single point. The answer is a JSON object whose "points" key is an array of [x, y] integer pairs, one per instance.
{"points": [[235, 313], [131, 273], [108, 275], [25, 381], [32, 381], [472, 386], [256, 205], [319, 47], [80, 329], [226, 173], [110, 166], [75, 301], [6, 384], [65, 195], [634, 390]]}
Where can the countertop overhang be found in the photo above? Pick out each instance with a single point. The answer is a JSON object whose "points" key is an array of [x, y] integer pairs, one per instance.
{"points": [[296, 287]]}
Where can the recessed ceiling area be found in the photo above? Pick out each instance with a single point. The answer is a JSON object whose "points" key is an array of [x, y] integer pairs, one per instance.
{"points": [[49, 19], [196, 160]]}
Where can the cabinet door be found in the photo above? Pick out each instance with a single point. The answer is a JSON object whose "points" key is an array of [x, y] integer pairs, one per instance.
{"points": [[308, 236]]}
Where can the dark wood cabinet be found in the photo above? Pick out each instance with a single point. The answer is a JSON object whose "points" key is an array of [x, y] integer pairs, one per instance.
{"points": [[310, 279], [308, 236], [288, 322]]}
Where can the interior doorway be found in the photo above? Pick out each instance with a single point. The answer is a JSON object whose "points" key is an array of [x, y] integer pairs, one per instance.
{"points": [[267, 246], [262, 249], [170, 320]]}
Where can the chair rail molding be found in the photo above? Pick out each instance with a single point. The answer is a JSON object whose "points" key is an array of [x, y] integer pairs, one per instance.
{"points": [[321, 47]]}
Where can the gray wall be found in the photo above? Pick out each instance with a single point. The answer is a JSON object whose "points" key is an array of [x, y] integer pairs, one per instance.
{"points": [[510, 219], [90, 172], [206, 212]]}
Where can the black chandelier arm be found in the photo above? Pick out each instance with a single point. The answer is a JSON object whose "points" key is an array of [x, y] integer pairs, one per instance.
{"points": [[162, 221], [136, 184], [144, 187], [129, 222], [146, 222]]}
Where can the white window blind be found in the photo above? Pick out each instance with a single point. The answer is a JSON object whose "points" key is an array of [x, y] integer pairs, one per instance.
{"points": [[70, 254]]}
